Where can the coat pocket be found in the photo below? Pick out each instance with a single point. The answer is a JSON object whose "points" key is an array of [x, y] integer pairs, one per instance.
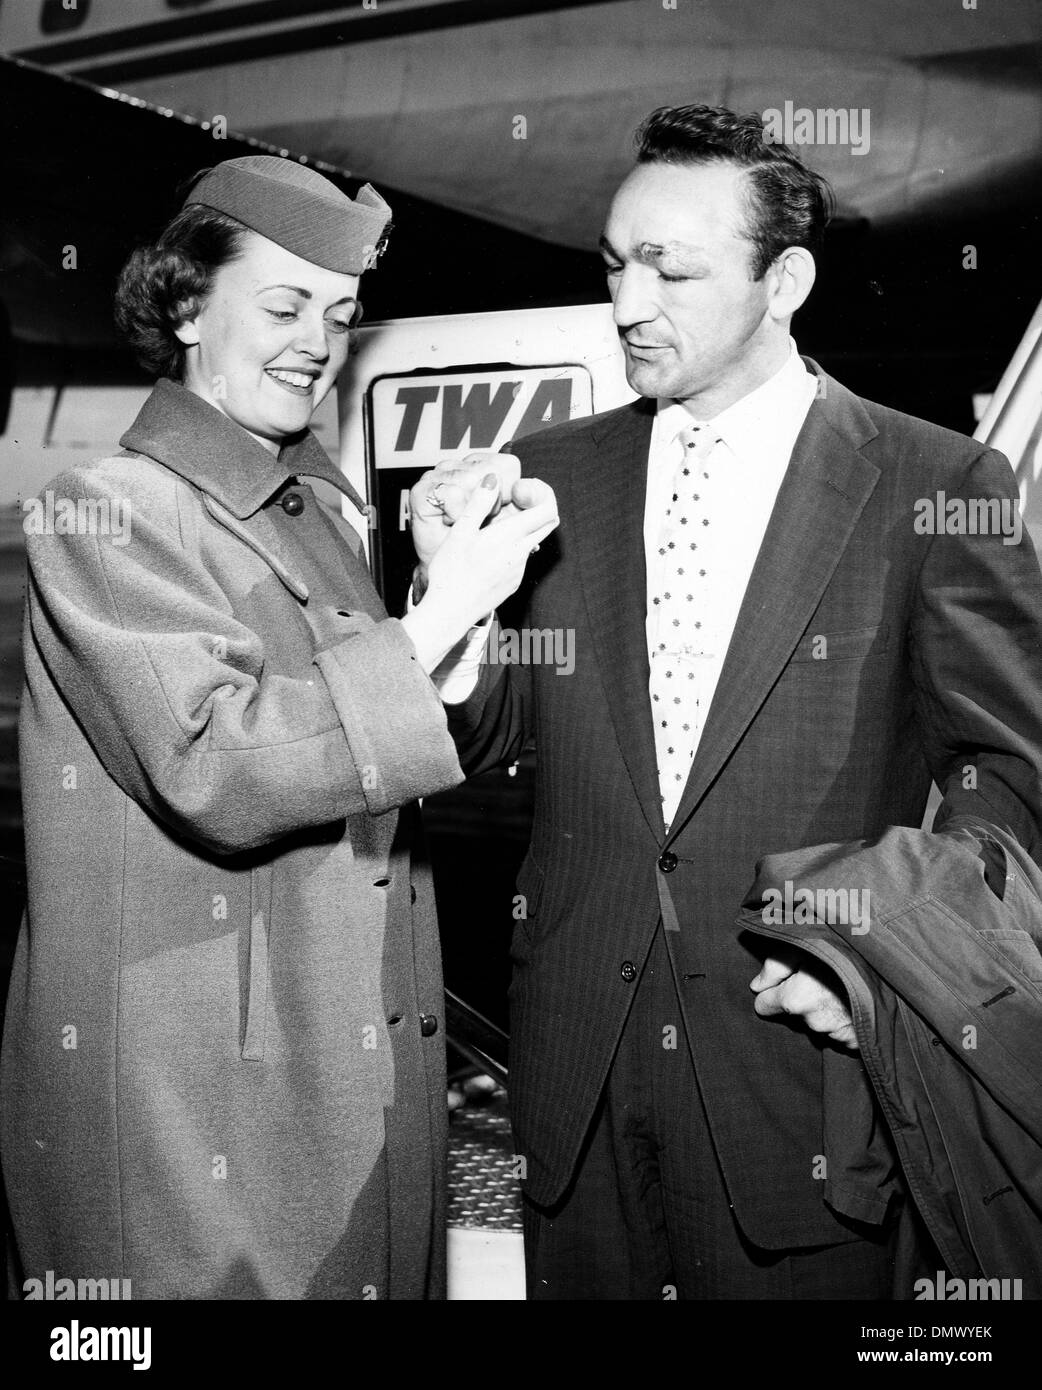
{"points": [[1018, 948], [256, 1012], [823, 647]]}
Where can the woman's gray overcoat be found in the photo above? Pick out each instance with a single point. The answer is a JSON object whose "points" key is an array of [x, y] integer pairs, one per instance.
{"points": [[224, 1059]]}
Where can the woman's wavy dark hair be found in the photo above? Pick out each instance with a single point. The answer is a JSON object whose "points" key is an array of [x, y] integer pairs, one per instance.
{"points": [[789, 204], [166, 282]]}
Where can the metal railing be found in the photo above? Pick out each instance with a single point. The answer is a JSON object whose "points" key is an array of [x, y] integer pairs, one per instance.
{"points": [[480, 1041]]}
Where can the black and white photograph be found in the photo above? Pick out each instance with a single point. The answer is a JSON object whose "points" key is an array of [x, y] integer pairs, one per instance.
{"points": [[521, 669]]}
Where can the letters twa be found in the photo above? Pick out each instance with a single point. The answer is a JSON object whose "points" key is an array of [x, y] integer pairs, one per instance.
{"points": [[420, 419]]}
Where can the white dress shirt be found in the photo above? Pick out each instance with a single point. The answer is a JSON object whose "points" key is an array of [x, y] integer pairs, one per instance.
{"points": [[756, 438], [758, 434]]}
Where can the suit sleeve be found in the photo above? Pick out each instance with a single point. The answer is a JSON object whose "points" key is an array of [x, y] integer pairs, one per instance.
{"points": [[976, 634], [493, 724], [189, 714]]}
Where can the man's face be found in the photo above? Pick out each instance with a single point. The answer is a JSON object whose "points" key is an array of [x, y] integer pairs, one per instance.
{"points": [[692, 320]]}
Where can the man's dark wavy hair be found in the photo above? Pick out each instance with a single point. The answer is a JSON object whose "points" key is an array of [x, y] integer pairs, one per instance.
{"points": [[789, 204]]}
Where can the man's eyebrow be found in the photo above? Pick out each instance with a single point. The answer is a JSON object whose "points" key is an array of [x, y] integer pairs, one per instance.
{"points": [[672, 250], [650, 252], [306, 294]]}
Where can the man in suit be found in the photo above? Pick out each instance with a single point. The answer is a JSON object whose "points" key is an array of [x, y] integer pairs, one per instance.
{"points": [[772, 649]]}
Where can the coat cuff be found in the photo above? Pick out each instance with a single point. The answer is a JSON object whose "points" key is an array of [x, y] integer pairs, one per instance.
{"points": [[391, 715]]}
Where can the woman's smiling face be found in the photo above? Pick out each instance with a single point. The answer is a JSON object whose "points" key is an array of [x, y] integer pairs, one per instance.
{"points": [[270, 339]]}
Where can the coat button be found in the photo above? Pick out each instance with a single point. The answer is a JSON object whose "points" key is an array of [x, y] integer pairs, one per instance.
{"points": [[628, 971], [292, 504], [428, 1025], [667, 861]]}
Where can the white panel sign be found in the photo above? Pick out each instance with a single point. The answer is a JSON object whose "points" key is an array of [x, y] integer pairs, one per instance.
{"points": [[418, 390]]}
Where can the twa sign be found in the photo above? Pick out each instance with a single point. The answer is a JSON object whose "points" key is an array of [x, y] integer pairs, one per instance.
{"points": [[420, 390], [417, 420]]}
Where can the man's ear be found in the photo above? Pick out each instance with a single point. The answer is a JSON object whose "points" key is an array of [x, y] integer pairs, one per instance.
{"points": [[792, 278]]}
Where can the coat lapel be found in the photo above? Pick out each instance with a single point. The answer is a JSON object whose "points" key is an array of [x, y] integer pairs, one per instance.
{"points": [[821, 497], [607, 501]]}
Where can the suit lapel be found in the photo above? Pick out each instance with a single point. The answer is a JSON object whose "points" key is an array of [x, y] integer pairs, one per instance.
{"points": [[821, 497], [607, 503]]}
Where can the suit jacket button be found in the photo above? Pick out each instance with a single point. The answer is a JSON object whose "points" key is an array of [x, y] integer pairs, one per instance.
{"points": [[428, 1025], [292, 504], [667, 861], [628, 971]]}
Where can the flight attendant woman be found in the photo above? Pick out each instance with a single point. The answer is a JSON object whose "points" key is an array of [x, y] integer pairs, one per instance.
{"points": [[224, 1062]]}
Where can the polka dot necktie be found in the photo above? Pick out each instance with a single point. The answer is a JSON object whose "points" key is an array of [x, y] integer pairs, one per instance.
{"points": [[679, 628]]}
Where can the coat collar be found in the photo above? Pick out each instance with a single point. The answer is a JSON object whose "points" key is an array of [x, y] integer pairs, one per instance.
{"points": [[189, 436], [607, 486]]}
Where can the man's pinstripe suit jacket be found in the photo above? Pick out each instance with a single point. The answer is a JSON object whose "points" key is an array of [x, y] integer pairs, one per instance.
{"points": [[932, 668]]}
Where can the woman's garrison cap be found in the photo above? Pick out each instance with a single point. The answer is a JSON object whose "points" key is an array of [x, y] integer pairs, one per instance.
{"points": [[299, 209]]}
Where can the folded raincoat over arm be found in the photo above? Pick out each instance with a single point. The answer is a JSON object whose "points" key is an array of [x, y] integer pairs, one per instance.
{"points": [[944, 976]]}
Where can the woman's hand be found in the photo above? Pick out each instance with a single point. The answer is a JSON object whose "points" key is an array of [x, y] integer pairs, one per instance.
{"points": [[438, 500], [475, 567]]}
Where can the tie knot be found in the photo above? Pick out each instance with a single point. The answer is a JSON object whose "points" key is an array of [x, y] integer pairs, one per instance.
{"points": [[698, 439]]}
